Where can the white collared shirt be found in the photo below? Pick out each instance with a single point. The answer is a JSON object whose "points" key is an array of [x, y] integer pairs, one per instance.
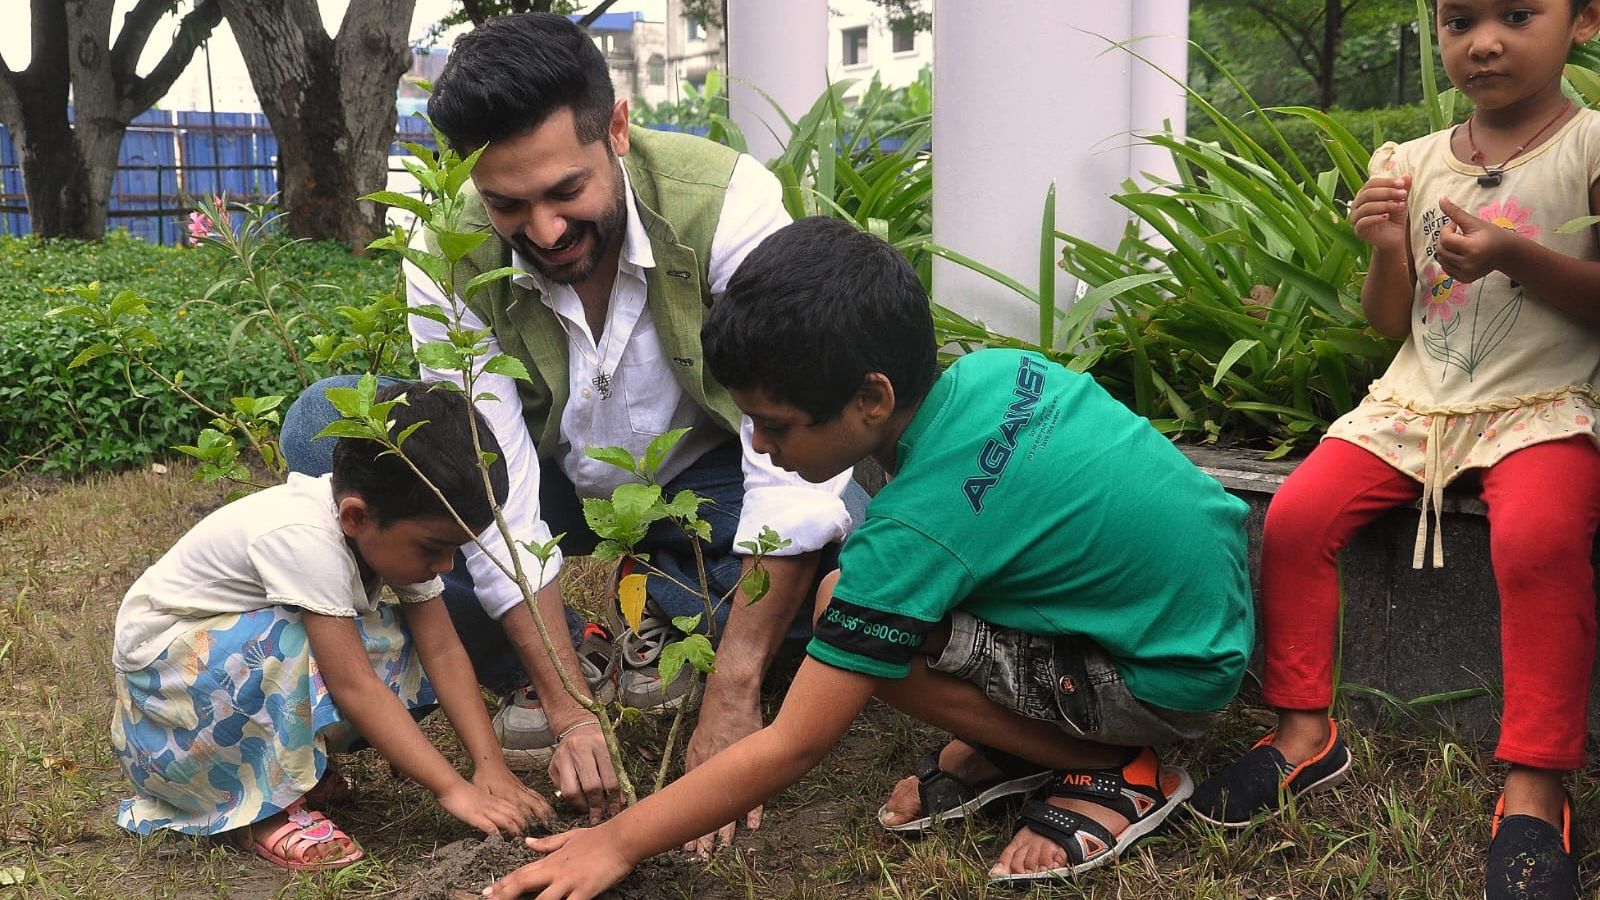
{"points": [[645, 399]]}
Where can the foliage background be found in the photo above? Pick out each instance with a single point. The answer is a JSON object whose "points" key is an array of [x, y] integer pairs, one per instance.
{"points": [[66, 421]]}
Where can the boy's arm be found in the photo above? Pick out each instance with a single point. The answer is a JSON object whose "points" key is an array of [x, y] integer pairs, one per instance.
{"points": [[383, 721], [581, 864], [456, 685], [1471, 248]]}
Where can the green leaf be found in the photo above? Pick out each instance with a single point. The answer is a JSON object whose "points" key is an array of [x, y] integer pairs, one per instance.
{"points": [[658, 449], [615, 456], [1576, 225], [346, 428], [13, 875], [509, 366], [755, 584], [400, 439], [493, 275], [687, 624], [685, 504], [455, 245], [432, 313], [670, 662], [1239, 349], [410, 204], [89, 353], [699, 652], [440, 356]]}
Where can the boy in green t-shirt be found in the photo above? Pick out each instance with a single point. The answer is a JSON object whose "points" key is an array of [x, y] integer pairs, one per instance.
{"points": [[1043, 572]]}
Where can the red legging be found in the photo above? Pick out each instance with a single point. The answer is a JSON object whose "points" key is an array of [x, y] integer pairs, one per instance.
{"points": [[1544, 506]]}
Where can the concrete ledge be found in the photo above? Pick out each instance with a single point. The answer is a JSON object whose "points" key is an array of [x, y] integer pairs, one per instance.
{"points": [[1408, 633]]}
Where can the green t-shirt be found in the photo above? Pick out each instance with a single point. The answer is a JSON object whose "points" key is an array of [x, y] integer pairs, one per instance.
{"points": [[1028, 497]]}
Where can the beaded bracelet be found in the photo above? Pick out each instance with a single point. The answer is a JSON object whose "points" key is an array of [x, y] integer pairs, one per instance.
{"points": [[571, 728]]}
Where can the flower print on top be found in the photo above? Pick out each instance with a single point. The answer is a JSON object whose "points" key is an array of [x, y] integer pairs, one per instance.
{"points": [[1511, 216], [1463, 324], [1442, 294]]}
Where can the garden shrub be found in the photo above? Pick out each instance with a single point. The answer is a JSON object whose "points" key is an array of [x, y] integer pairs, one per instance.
{"points": [[61, 420], [1309, 141]]}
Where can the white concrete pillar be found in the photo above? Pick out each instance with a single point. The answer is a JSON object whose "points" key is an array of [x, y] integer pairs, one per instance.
{"points": [[781, 48], [1025, 93], [1163, 26]]}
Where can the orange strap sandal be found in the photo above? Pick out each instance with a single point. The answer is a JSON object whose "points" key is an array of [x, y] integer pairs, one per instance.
{"points": [[1529, 857], [288, 844]]}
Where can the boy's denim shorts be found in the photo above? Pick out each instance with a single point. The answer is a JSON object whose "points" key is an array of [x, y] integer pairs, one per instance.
{"points": [[1064, 679]]}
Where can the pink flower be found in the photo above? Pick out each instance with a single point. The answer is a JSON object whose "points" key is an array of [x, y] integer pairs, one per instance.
{"points": [[1444, 294], [1511, 216], [200, 227]]}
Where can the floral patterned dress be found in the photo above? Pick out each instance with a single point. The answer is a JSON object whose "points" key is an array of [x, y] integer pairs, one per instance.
{"points": [[1489, 367]]}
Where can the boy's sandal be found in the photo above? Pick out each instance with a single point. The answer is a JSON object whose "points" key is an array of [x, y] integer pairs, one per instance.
{"points": [[945, 797], [1529, 858], [289, 843], [1144, 792], [1262, 781]]}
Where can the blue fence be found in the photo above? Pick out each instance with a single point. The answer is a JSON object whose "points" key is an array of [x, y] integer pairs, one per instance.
{"points": [[168, 158]]}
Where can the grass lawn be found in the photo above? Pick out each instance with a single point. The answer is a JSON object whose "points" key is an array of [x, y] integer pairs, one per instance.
{"points": [[1412, 825]]}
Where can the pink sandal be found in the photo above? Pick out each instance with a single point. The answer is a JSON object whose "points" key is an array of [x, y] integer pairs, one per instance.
{"points": [[304, 829]]}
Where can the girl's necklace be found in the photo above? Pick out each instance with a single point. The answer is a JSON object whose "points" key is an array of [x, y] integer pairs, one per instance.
{"points": [[1491, 174]]}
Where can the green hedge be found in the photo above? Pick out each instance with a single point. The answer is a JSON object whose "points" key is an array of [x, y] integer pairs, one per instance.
{"points": [[1370, 126], [61, 420]]}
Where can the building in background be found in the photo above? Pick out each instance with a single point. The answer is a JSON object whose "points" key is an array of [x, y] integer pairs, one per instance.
{"points": [[861, 44], [693, 48], [637, 54]]}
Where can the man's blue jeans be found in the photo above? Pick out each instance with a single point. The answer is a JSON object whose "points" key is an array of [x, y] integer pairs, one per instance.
{"points": [[716, 476]]}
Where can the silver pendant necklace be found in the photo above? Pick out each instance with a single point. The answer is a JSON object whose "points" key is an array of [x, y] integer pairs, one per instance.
{"points": [[602, 378]]}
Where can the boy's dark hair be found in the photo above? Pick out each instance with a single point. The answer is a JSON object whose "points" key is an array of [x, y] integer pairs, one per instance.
{"points": [[509, 74], [813, 310], [440, 449]]}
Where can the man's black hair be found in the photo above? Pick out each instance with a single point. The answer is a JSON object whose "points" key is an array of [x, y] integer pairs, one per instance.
{"points": [[440, 449], [509, 74], [813, 310]]}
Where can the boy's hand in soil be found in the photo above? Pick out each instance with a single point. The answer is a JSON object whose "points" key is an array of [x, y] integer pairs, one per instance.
{"points": [[474, 806], [579, 864], [501, 782]]}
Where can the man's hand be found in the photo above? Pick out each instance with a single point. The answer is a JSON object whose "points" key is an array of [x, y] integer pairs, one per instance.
{"points": [[721, 725], [501, 782], [581, 770], [1470, 248], [579, 864]]}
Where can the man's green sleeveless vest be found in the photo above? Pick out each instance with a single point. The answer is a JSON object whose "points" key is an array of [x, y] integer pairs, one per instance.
{"points": [[679, 182]]}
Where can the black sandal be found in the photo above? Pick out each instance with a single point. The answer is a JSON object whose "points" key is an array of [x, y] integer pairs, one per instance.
{"points": [[945, 797], [1144, 792]]}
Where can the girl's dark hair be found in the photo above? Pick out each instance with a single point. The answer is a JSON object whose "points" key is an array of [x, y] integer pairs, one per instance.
{"points": [[813, 310], [509, 74], [441, 449]]}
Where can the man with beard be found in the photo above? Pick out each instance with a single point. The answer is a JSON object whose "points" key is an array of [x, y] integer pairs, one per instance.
{"points": [[622, 237]]}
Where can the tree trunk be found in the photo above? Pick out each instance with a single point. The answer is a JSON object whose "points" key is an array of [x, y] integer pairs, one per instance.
{"points": [[68, 166], [1332, 28], [331, 102]]}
